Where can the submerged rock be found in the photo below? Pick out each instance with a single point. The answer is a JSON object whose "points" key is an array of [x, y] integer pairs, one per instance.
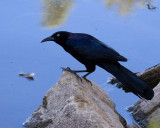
{"points": [[71, 103], [147, 112]]}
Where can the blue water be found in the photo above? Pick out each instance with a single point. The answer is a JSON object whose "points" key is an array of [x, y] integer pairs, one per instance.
{"points": [[135, 36]]}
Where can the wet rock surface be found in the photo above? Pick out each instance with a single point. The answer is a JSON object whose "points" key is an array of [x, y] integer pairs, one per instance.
{"points": [[146, 112]]}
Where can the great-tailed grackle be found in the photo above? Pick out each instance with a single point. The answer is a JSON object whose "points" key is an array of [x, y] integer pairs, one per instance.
{"points": [[91, 52]]}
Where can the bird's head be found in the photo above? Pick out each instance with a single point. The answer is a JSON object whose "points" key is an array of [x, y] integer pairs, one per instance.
{"points": [[58, 37]]}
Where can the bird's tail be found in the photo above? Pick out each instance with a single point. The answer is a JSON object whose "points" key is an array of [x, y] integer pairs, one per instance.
{"points": [[128, 79]]}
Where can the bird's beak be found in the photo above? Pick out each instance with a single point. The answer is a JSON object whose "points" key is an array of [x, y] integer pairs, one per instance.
{"points": [[48, 39]]}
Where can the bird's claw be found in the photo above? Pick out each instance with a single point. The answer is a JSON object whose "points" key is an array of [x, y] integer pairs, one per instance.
{"points": [[87, 80], [71, 71], [66, 69]]}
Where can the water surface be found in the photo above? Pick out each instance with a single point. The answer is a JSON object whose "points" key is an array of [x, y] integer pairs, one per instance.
{"points": [[135, 36]]}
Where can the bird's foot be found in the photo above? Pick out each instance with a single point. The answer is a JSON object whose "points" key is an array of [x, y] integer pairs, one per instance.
{"points": [[71, 71], [66, 69], [87, 80]]}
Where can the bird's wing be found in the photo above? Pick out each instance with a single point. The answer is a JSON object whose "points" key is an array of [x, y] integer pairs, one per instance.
{"points": [[91, 48]]}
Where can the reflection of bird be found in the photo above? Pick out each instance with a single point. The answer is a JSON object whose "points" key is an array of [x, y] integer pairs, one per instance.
{"points": [[91, 52]]}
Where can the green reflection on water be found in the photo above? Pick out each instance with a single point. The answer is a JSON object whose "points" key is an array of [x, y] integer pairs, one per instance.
{"points": [[55, 12], [126, 6]]}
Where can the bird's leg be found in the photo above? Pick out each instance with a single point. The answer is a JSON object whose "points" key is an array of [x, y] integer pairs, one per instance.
{"points": [[84, 77], [86, 74], [74, 72], [77, 71], [144, 100]]}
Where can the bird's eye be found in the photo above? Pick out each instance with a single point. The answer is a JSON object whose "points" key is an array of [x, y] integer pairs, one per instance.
{"points": [[58, 35]]}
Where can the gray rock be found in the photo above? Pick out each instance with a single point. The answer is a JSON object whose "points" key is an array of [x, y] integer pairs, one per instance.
{"points": [[145, 112], [71, 103]]}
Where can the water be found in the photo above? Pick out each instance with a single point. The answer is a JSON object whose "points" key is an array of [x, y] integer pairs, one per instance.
{"points": [[136, 36]]}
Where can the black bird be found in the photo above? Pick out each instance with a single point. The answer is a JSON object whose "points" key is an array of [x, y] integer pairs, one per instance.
{"points": [[91, 52]]}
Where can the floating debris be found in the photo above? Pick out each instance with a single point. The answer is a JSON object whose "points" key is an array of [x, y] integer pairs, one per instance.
{"points": [[28, 75], [151, 7]]}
